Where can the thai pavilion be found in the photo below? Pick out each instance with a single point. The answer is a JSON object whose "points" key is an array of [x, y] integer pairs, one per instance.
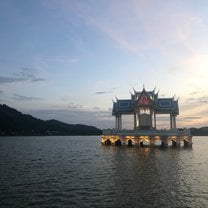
{"points": [[144, 106]]}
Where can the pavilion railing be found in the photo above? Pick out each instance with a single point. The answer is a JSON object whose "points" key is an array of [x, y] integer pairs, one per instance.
{"points": [[177, 132]]}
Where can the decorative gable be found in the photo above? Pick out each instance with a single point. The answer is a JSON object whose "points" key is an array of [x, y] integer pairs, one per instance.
{"points": [[144, 99]]}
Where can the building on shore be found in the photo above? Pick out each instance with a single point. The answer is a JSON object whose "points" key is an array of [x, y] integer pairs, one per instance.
{"points": [[144, 106]]}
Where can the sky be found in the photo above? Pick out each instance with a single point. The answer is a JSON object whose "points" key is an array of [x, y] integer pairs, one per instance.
{"points": [[68, 59]]}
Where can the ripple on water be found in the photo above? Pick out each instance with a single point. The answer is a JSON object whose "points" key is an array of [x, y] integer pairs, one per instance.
{"points": [[79, 172]]}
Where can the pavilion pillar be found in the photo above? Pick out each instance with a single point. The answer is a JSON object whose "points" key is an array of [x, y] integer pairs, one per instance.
{"points": [[155, 124], [138, 121], [135, 121], [171, 121], [174, 121], [151, 115], [116, 122], [120, 122]]}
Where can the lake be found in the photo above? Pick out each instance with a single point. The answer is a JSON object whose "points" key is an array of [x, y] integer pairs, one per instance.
{"points": [[77, 171]]}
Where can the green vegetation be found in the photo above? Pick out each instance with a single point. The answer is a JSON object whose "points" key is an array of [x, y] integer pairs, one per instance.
{"points": [[13, 122]]}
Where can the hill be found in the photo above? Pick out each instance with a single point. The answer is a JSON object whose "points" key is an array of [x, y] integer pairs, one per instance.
{"points": [[13, 122], [203, 131]]}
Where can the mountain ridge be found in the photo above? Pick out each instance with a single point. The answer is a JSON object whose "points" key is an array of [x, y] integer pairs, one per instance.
{"points": [[13, 122]]}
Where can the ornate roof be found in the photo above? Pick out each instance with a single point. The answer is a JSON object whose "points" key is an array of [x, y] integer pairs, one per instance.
{"points": [[146, 99]]}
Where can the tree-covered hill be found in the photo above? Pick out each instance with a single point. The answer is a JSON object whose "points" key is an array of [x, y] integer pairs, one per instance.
{"points": [[13, 122]]}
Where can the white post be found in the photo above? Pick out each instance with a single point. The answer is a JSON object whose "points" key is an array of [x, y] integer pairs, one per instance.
{"points": [[155, 125], [138, 118], [171, 122], [135, 121], [116, 124], [174, 121], [119, 122]]}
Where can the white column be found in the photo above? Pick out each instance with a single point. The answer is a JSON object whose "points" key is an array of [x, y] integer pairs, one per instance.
{"points": [[119, 122], [116, 122], [138, 118], [151, 113], [171, 122], [174, 121], [155, 124], [135, 123]]}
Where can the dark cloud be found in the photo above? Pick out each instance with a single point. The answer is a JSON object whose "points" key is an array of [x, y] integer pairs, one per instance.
{"points": [[25, 74], [191, 117], [28, 74], [103, 92], [111, 90], [35, 79], [4, 80], [24, 98]]}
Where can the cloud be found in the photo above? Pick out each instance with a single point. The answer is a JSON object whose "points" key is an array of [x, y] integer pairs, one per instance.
{"points": [[103, 92], [198, 100], [71, 106], [137, 26], [193, 93], [193, 121], [193, 112], [4, 80], [24, 98], [191, 118], [28, 75], [62, 59], [25, 74], [203, 100]]}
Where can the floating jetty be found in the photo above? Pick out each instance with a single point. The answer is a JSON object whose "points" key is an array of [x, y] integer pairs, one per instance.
{"points": [[144, 106]]}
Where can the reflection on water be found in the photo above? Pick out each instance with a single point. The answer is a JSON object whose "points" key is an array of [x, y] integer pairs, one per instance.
{"points": [[147, 176], [79, 172]]}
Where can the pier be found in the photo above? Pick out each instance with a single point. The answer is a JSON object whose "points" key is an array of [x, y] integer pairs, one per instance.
{"points": [[144, 106]]}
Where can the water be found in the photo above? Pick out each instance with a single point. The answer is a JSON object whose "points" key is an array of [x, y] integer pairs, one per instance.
{"points": [[79, 172]]}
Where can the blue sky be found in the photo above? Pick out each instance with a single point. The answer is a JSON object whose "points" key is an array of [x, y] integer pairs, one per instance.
{"points": [[67, 59]]}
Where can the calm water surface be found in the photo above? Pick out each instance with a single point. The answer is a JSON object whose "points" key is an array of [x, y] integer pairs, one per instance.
{"points": [[79, 172]]}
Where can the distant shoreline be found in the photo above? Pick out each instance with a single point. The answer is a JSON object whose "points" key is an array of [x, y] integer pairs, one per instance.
{"points": [[1, 136], [14, 123]]}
